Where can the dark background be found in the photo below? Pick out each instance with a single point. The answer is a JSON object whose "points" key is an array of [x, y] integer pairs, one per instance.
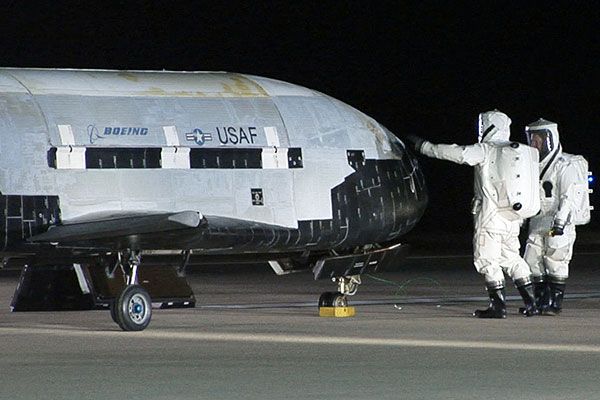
{"points": [[426, 68]]}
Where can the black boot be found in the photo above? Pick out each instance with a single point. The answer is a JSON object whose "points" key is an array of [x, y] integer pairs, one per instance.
{"points": [[544, 295], [497, 306], [541, 293], [557, 292], [527, 294]]}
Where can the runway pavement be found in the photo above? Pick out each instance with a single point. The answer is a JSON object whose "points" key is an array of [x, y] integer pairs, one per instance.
{"points": [[255, 335]]}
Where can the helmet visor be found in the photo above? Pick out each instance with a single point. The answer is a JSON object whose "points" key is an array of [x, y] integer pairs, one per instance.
{"points": [[542, 141]]}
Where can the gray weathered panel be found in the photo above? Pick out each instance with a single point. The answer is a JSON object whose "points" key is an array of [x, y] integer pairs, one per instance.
{"points": [[135, 83], [93, 119], [312, 196], [313, 121], [23, 147]]}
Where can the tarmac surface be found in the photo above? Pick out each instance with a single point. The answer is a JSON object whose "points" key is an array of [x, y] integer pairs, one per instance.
{"points": [[254, 335]]}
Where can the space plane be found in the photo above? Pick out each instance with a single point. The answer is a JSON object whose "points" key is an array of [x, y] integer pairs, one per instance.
{"points": [[122, 166]]}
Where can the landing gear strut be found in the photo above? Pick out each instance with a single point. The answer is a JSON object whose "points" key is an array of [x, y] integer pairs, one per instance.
{"points": [[132, 309], [347, 286]]}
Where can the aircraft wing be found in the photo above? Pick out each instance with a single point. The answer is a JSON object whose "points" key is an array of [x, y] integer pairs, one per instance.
{"points": [[179, 230], [107, 226]]}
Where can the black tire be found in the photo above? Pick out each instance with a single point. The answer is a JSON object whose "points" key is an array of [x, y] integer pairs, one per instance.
{"points": [[325, 299], [133, 310], [113, 311]]}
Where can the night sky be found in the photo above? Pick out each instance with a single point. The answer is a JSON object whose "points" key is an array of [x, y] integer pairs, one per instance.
{"points": [[426, 68]]}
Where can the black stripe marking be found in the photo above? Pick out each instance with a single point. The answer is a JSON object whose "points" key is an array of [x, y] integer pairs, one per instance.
{"points": [[122, 158], [549, 163], [200, 158], [488, 130], [295, 157], [226, 158]]}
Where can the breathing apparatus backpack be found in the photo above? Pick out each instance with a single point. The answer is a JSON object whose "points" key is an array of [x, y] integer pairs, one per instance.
{"points": [[514, 174], [580, 191]]}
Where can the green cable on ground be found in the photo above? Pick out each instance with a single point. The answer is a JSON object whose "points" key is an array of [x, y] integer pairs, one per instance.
{"points": [[401, 287]]}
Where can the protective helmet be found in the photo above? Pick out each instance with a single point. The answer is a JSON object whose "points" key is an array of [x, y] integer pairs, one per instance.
{"points": [[494, 126], [543, 135]]}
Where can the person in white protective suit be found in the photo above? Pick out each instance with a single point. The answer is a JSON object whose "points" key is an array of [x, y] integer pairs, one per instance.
{"points": [[495, 241], [552, 232]]}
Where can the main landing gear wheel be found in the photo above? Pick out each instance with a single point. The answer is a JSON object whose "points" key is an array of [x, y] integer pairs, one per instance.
{"points": [[113, 311], [133, 309], [333, 299]]}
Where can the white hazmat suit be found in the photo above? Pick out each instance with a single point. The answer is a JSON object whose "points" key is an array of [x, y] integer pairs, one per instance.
{"points": [[552, 232], [495, 242]]}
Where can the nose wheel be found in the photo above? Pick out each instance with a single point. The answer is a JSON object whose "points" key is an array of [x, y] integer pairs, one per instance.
{"points": [[333, 299], [347, 286]]}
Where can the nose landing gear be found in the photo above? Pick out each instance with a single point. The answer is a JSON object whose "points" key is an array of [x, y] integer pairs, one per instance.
{"points": [[336, 303]]}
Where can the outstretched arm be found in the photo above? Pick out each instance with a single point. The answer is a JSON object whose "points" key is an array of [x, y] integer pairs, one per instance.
{"points": [[472, 155]]}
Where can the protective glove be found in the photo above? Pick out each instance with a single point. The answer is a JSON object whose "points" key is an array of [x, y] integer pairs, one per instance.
{"points": [[556, 230], [416, 141]]}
